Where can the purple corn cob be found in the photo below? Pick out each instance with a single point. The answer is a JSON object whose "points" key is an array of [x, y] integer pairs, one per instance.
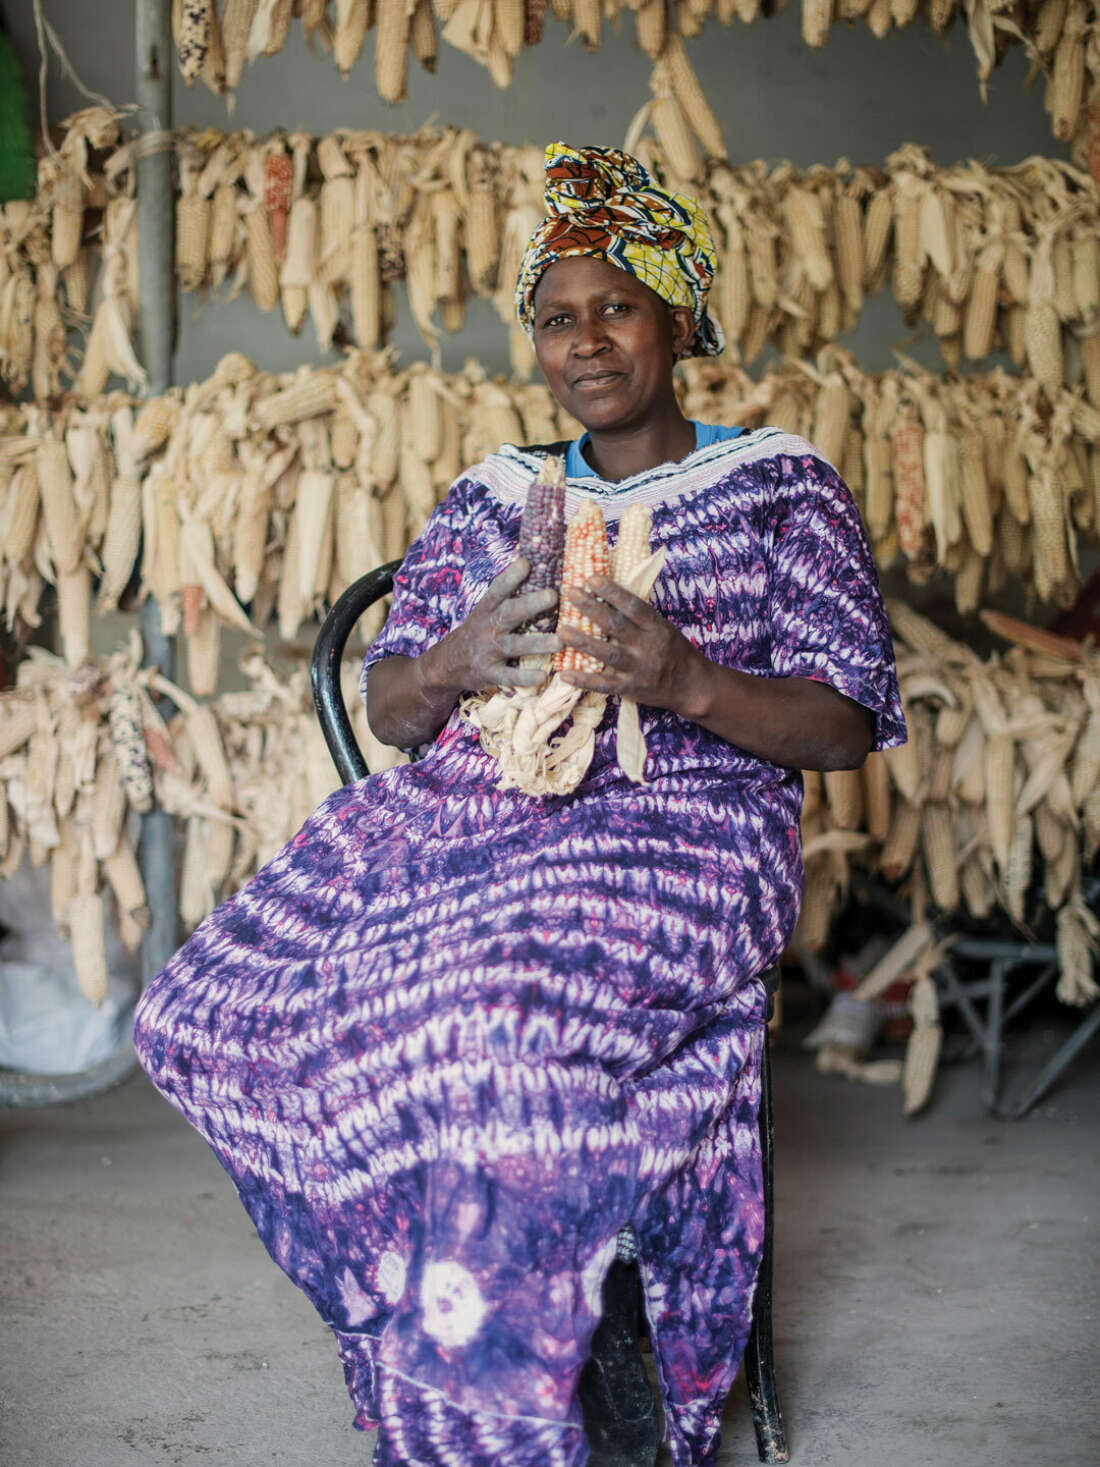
{"points": [[542, 537]]}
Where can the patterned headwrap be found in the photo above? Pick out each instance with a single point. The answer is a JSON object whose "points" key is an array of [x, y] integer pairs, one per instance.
{"points": [[603, 203]]}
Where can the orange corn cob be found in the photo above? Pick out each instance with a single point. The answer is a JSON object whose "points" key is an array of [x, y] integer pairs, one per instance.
{"points": [[586, 554], [278, 187], [906, 442]]}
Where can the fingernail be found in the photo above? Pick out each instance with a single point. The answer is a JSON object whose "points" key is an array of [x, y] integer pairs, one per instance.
{"points": [[596, 583]]}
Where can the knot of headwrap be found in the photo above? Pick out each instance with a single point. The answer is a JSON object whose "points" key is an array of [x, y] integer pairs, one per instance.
{"points": [[604, 203]]}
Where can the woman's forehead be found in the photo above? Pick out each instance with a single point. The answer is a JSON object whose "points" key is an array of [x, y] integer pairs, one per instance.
{"points": [[585, 275]]}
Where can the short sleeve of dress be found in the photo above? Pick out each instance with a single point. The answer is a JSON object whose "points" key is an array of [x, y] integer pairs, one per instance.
{"points": [[425, 589], [827, 617]]}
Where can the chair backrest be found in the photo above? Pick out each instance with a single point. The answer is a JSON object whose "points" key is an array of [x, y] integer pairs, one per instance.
{"points": [[324, 669]]}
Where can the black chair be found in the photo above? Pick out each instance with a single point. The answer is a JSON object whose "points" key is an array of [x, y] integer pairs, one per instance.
{"points": [[619, 1411]]}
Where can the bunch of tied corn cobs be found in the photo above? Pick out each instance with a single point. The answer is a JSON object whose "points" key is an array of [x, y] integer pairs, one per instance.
{"points": [[253, 496], [543, 737], [328, 227], [214, 42], [82, 752], [994, 802]]}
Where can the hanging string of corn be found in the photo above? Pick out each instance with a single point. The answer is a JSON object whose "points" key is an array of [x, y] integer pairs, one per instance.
{"points": [[256, 496], [990, 259], [973, 476], [993, 803], [214, 41]]}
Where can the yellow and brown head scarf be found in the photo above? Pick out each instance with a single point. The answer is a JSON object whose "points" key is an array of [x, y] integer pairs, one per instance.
{"points": [[604, 203]]}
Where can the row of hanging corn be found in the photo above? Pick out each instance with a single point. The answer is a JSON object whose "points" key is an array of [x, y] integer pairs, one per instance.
{"points": [[214, 42], [990, 258], [968, 476], [994, 802], [273, 492]]}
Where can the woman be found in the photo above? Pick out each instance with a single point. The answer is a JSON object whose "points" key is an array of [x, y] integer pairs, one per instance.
{"points": [[451, 1039]]}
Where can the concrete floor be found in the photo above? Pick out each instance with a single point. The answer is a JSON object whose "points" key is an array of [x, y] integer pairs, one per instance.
{"points": [[936, 1298]]}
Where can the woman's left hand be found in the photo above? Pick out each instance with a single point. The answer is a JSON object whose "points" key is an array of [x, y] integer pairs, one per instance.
{"points": [[645, 657]]}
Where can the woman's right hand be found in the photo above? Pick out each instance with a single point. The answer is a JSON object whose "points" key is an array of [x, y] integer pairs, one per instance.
{"points": [[477, 652], [409, 699]]}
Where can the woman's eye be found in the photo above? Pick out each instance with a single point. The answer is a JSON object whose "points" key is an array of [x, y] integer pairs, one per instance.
{"points": [[617, 306]]}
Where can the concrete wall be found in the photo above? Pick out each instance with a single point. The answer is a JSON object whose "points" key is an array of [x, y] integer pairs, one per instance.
{"points": [[776, 99]]}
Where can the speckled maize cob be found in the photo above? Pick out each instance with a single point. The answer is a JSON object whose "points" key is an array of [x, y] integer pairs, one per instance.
{"points": [[193, 37], [542, 536], [586, 554], [130, 751]]}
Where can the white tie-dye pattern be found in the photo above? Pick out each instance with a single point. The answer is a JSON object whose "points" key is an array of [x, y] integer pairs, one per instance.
{"points": [[451, 1304]]}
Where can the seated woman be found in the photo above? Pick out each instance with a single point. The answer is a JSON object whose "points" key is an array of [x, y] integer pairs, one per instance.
{"points": [[452, 1039]]}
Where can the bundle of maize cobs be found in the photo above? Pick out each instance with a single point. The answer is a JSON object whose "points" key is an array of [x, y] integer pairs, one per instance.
{"points": [[543, 736], [994, 802], [214, 41], [48, 262], [74, 763], [990, 258], [82, 751], [253, 496]]}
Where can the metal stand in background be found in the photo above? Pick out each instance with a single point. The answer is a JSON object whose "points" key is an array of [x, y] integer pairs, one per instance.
{"points": [[1002, 958], [156, 325], [1005, 958]]}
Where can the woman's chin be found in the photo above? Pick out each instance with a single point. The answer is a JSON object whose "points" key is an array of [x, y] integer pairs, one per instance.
{"points": [[601, 413]]}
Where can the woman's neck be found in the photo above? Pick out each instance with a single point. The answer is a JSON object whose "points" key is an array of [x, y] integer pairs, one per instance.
{"points": [[619, 454]]}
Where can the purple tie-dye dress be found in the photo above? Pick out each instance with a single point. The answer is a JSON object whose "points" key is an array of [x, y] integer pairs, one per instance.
{"points": [[451, 1039]]}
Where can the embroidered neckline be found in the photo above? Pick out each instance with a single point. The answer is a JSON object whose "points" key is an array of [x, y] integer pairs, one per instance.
{"points": [[508, 472]]}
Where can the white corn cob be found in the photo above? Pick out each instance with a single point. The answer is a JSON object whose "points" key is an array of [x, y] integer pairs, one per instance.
{"points": [[806, 222], [86, 925], [1077, 934], [391, 48], [923, 1050]]}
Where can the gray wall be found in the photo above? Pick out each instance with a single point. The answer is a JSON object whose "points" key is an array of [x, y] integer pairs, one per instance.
{"points": [[776, 99]]}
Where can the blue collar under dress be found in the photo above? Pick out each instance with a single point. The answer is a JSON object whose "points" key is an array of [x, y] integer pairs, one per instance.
{"points": [[578, 467]]}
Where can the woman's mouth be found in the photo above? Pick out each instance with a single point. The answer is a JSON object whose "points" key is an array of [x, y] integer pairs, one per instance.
{"points": [[597, 381]]}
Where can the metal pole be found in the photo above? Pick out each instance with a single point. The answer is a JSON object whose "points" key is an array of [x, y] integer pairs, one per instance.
{"points": [[156, 328], [156, 335]]}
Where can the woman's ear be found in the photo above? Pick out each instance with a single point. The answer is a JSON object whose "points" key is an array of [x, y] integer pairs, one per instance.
{"points": [[683, 329]]}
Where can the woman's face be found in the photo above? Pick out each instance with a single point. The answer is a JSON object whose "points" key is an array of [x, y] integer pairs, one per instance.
{"points": [[606, 343]]}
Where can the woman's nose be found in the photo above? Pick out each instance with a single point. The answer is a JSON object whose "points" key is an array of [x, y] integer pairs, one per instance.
{"points": [[590, 335]]}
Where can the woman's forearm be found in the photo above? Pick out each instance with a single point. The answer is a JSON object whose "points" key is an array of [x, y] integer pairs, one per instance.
{"points": [[409, 699], [792, 721]]}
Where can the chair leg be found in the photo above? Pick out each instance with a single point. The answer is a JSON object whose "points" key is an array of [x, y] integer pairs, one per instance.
{"points": [[617, 1402], [767, 1418]]}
